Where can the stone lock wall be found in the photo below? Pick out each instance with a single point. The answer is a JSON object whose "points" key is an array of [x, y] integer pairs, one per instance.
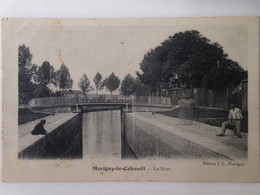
{"points": [[63, 142], [149, 141]]}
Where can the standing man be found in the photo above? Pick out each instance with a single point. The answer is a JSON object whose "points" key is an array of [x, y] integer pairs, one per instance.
{"points": [[235, 117]]}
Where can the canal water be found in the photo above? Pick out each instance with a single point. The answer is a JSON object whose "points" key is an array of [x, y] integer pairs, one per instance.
{"points": [[102, 134]]}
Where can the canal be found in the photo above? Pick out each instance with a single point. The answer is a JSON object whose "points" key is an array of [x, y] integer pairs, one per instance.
{"points": [[102, 134]]}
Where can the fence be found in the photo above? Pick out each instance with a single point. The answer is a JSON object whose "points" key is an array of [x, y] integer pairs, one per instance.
{"points": [[219, 98], [61, 101]]}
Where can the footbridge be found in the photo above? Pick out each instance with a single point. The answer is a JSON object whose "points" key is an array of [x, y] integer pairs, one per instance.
{"points": [[76, 104]]}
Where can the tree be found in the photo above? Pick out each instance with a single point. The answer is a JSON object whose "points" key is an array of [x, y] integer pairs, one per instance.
{"points": [[187, 59], [43, 77], [140, 88], [42, 91], [151, 67], [26, 70], [45, 74], [128, 85], [112, 83], [62, 78], [84, 84], [98, 82]]}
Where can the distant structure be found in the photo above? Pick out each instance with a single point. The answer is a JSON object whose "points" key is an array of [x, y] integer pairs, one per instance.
{"points": [[72, 94], [241, 92], [215, 98]]}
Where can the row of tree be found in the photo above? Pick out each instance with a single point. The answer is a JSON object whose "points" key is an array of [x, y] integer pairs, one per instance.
{"points": [[129, 85], [37, 81], [184, 60], [112, 83]]}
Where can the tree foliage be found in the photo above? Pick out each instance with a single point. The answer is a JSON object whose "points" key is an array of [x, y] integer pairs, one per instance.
{"points": [[43, 77], [187, 59], [128, 85], [26, 70], [63, 79], [112, 82], [152, 70], [45, 74], [98, 82], [42, 91], [84, 84], [140, 88]]}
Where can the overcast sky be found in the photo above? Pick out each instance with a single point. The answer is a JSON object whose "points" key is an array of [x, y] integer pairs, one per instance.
{"points": [[92, 46]]}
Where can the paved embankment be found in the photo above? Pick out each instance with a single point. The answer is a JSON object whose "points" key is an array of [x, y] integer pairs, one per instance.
{"points": [[63, 139], [159, 136]]}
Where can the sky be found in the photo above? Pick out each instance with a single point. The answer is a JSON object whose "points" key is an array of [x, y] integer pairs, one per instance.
{"points": [[104, 46]]}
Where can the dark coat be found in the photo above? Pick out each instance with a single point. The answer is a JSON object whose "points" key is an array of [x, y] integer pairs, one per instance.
{"points": [[39, 129]]}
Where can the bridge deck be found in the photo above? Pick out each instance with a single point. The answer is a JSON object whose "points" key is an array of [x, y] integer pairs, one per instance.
{"points": [[102, 104]]}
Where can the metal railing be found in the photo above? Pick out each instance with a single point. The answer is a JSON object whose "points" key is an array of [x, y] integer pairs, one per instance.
{"points": [[63, 101]]}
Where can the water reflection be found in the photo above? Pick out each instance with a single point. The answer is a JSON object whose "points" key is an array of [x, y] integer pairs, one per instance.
{"points": [[102, 134]]}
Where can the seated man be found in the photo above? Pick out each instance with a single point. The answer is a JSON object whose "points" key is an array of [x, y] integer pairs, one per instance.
{"points": [[235, 117], [39, 129]]}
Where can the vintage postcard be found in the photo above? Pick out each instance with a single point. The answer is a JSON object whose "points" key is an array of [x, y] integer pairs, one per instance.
{"points": [[158, 99]]}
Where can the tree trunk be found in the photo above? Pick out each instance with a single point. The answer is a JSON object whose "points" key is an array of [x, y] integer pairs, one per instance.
{"points": [[97, 95]]}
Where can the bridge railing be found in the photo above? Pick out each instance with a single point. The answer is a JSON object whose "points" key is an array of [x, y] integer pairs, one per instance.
{"points": [[63, 101]]}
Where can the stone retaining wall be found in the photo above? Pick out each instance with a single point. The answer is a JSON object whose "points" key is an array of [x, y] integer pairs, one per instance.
{"points": [[148, 141], [63, 142]]}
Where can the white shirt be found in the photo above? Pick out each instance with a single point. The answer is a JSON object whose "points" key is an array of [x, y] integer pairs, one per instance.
{"points": [[235, 114]]}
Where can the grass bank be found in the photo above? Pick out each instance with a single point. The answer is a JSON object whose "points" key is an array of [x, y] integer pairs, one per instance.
{"points": [[25, 115]]}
